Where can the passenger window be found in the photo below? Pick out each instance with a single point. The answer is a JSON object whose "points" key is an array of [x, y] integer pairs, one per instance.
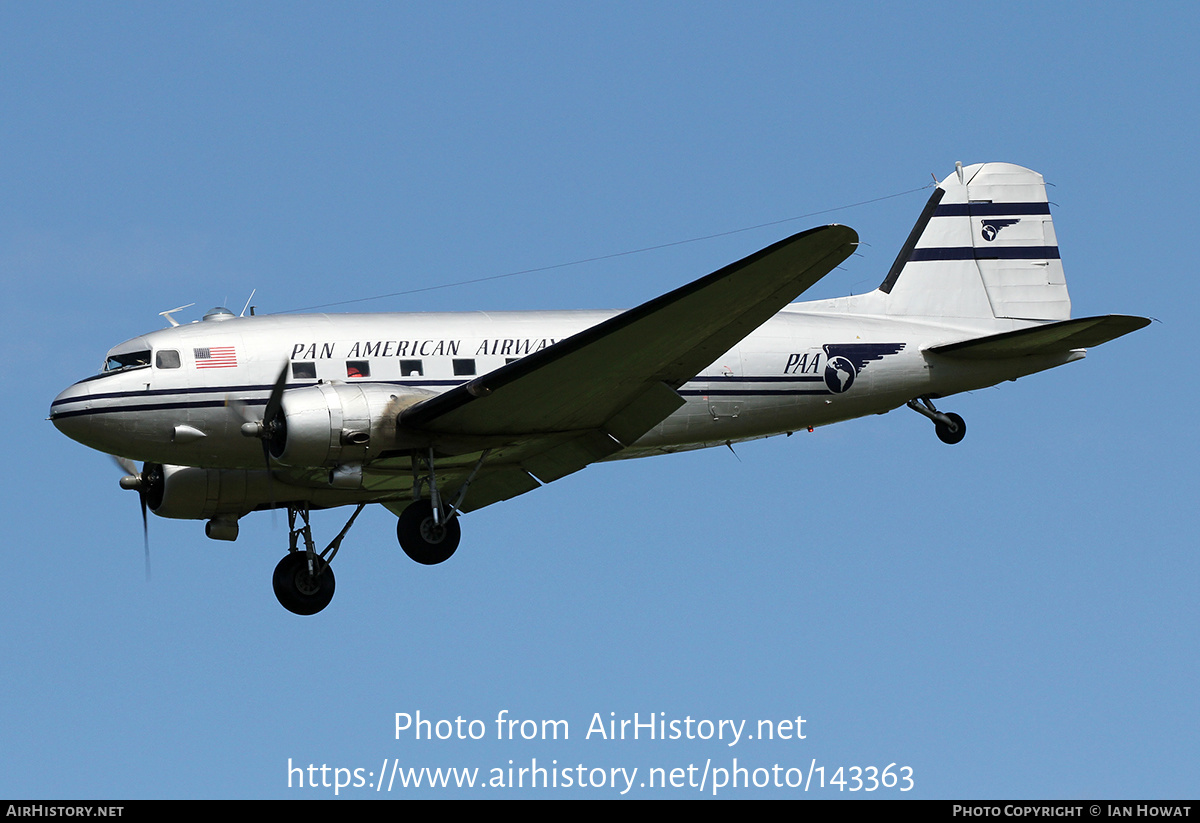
{"points": [[166, 359], [464, 367], [301, 371], [358, 368], [411, 368]]}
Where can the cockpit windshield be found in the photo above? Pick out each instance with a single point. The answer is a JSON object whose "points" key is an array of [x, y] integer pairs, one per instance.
{"points": [[132, 354], [127, 360]]}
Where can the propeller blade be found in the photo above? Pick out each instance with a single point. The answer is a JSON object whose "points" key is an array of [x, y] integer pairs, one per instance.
{"points": [[264, 428], [142, 482], [275, 401], [145, 533], [261, 427], [274, 404], [270, 477], [243, 411], [127, 465]]}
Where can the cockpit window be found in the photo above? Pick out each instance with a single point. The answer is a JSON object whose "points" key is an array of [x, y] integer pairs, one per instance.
{"points": [[166, 359], [127, 360]]}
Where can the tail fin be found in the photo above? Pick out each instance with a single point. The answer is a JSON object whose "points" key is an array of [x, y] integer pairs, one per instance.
{"points": [[983, 247]]}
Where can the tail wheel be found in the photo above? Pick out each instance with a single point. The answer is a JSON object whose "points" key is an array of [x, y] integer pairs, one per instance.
{"points": [[951, 434]]}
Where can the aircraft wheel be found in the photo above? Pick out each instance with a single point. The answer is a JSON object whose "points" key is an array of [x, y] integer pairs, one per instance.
{"points": [[422, 539], [298, 591], [948, 435]]}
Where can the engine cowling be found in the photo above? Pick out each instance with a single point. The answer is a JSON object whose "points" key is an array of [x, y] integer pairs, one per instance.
{"points": [[190, 493], [193, 493], [335, 424]]}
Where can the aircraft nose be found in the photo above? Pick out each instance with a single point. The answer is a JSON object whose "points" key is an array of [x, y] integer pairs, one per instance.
{"points": [[68, 411]]}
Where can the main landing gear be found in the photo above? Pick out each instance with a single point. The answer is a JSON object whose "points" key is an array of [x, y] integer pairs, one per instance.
{"points": [[428, 529], [424, 538], [303, 579], [949, 426], [428, 532]]}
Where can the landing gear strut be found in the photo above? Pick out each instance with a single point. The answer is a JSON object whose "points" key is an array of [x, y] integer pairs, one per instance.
{"points": [[428, 529], [949, 426], [303, 580]]}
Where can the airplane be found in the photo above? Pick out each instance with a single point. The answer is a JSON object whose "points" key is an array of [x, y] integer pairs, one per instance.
{"points": [[434, 415]]}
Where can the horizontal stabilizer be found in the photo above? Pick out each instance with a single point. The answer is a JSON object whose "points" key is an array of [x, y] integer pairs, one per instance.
{"points": [[1052, 338]]}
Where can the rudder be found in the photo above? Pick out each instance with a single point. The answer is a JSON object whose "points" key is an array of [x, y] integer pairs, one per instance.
{"points": [[983, 247]]}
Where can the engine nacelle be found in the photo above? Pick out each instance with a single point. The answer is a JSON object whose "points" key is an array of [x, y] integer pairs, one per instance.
{"points": [[334, 424], [189, 493], [224, 495]]}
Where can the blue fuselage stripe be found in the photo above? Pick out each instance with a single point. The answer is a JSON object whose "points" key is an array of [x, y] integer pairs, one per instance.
{"points": [[124, 408]]}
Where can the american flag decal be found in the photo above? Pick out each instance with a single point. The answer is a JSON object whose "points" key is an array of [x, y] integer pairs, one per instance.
{"points": [[216, 357]]}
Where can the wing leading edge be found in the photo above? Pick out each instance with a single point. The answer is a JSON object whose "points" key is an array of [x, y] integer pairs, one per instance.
{"points": [[623, 372]]}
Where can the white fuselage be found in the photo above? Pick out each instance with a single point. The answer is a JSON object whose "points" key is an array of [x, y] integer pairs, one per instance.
{"points": [[789, 374]]}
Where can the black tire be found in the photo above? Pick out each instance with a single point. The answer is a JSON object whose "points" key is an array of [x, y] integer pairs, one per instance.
{"points": [[297, 590], [424, 542], [948, 435]]}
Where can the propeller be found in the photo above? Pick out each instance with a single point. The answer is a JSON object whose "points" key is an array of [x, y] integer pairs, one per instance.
{"points": [[271, 428], [271, 422], [148, 483]]}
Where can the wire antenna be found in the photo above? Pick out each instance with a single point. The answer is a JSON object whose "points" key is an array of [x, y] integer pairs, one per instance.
{"points": [[607, 256]]}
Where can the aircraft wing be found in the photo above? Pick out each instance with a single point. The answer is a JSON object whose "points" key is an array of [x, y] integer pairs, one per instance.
{"points": [[592, 394]]}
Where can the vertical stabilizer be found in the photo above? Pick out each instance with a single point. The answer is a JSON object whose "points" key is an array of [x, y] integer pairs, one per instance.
{"points": [[983, 247]]}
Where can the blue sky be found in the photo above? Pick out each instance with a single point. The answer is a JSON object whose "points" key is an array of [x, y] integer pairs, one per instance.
{"points": [[1015, 616]]}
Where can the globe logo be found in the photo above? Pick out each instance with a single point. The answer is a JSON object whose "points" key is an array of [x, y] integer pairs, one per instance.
{"points": [[992, 227], [839, 374]]}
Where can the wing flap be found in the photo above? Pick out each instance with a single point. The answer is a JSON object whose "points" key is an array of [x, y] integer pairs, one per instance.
{"points": [[571, 456], [645, 412], [494, 486]]}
